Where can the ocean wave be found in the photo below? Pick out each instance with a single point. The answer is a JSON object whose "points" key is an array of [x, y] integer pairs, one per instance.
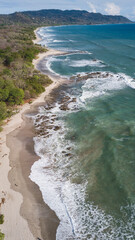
{"points": [[84, 63], [59, 41], [103, 83], [70, 40], [49, 63]]}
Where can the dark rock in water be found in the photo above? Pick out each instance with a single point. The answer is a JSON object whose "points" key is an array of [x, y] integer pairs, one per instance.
{"points": [[65, 99], [42, 132], [73, 100], [44, 117], [64, 107], [52, 120], [48, 107], [91, 75], [64, 152], [69, 148], [56, 128], [50, 127], [68, 154]]}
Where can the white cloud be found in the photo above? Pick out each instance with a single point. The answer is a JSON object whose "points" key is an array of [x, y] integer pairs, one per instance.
{"points": [[134, 11], [112, 9], [92, 7]]}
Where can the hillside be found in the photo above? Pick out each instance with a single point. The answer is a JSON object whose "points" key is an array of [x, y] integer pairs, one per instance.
{"points": [[58, 17]]}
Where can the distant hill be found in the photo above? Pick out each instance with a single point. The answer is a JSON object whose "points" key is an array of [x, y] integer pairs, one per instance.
{"points": [[59, 17]]}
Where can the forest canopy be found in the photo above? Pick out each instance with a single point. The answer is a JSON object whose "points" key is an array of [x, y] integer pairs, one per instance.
{"points": [[19, 81]]}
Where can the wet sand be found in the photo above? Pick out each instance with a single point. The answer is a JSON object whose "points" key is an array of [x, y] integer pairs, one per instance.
{"points": [[42, 221]]}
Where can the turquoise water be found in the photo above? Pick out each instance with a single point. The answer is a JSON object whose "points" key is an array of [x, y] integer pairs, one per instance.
{"points": [[98, 180]]}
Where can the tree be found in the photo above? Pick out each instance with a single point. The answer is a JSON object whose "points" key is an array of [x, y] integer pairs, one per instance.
{"points": [[8, 60], [16, 96], [2, 236], [4, 93], [3, 110]]}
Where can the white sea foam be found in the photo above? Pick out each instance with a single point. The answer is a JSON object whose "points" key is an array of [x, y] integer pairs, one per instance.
{"points": [[47, 35], [46, 172], [70, 40], [49, 63], [57, 41], [129, 81], [53, 171], [84, 63], [104, 84], [78, 52]]}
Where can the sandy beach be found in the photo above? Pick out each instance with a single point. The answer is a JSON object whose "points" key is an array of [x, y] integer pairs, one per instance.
{"points": [[26, 216]]}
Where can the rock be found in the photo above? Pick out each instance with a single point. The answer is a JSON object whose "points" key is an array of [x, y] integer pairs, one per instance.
{"points": [[64, 107], [56, 128], [73, 100]]}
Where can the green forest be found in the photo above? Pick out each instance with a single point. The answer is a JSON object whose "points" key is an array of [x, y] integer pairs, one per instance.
{"points": [[19, 81]]}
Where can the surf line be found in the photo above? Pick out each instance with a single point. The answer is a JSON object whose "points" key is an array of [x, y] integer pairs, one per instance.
{"points": [[70, 219]]}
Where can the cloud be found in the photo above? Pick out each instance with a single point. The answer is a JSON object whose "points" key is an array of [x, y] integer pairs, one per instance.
{"points": [[134, 11], [92, 7], [112, 9]]}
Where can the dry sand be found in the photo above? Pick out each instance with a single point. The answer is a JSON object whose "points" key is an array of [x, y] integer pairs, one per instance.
{"points": [[26, 216]]}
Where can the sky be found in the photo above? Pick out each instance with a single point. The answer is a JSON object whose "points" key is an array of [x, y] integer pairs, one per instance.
{"points": [[111, 7]]}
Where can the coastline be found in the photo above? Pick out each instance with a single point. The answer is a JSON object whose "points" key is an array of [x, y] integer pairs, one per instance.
{"points": [[26, 215]]}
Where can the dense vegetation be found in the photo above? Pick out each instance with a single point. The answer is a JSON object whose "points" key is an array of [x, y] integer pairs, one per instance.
{"points": [[19, 81], [58, 17], [2, 236], [1, 218], [1, 222]]}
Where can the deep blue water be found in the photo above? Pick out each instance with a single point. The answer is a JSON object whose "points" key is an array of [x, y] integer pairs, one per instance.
{"points": [[112, 44], [97, 182]]}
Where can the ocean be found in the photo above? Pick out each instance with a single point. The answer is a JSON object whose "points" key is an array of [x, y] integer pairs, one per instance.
{"points": [[86, 137]]}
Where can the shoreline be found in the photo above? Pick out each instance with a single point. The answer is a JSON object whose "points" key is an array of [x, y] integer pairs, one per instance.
{"points": [[24, 208]]}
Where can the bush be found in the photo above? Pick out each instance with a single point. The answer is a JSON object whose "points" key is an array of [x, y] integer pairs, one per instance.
{"points": [[38, 87], [3, 111], [29, 53], [1, 218], [2, 236], [34, 83], [4, 94], [7, 71], [2, 83], [8, 60], [16, 96]]}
